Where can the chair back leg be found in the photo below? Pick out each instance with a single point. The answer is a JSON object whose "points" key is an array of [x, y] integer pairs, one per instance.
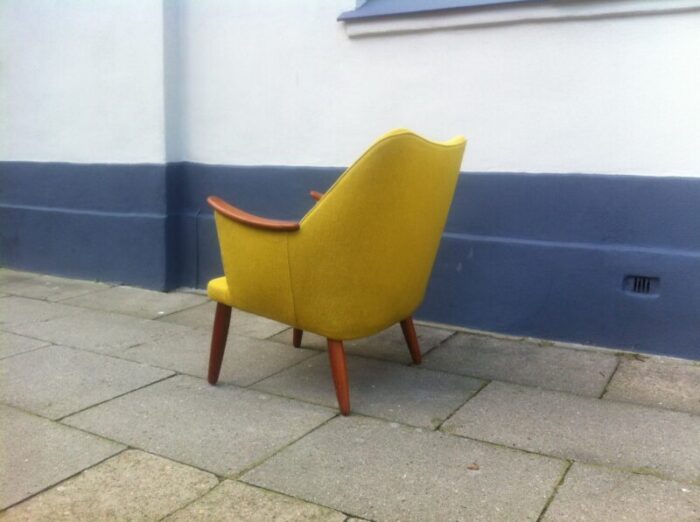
{"points": [[222, 319], [336, 354], [409, 333], [296, 338]]}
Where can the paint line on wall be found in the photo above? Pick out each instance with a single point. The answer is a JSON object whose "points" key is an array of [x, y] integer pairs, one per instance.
{"points": [[63, 210], [576, 245]]}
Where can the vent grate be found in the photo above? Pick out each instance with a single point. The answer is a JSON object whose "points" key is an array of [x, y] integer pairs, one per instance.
{"points": [[636, 284]]}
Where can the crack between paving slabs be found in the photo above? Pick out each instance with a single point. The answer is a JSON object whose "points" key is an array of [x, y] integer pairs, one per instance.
{"points": [[104, 354], [646, 472], [435, 347], [60, 419], [347, 515], [239, 476], [555, 490], [52, 301], [612, 375], [48, 344], [159, 317], [318, 403], [96, 291], [128, 446], [408, 363], [196, 499], [484, 384], [50, 486], [293, 365], [44, 300]]}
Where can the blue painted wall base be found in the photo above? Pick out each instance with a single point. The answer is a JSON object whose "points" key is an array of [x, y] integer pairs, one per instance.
{"points": [[541, 255]]}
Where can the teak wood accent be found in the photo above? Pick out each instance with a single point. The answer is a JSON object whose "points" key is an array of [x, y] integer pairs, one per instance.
{"points": [[252, 220], [339, 369], [296, 338], [222, 319], [409, 333], [316, 195]]}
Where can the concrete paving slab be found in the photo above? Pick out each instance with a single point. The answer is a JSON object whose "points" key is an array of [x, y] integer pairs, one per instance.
{"points": [[384, 471], [37, 453], [657, 382], [97, 331], [245, 361], [52, 288], [56, 381], [131, 486], [378, 388], [22, 311], [8, 276], [12, 344], [628, 436], [550, 367], [242, 323], [223, 429], [592, 494], [388, 345], [237, 501], [137, 301]]}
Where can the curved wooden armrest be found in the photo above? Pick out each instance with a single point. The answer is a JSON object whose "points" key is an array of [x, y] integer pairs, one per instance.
{"points": [[244, 217], [316, 195]]}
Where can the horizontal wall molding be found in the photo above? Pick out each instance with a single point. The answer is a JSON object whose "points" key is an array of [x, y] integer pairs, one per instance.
{"points": [[576, 245], [511, 13], [543, 255]]}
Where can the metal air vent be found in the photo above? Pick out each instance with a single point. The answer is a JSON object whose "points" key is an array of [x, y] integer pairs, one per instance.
{"points": [[637, 284]]}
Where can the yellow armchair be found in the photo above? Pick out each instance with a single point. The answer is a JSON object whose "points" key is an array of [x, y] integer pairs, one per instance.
{"points": [[358, 262]]}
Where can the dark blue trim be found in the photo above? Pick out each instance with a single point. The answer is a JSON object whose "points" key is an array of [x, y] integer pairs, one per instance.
{"points": [[384, 8], [80, 186], [543, 255], [106, 246], [568, 291]]}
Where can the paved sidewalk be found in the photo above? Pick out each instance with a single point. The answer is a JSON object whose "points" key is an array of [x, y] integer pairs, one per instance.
{"points": [[105, 415]]}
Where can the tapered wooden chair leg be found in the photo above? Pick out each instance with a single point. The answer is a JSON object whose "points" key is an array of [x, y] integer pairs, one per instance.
{"points": [[222, 319], [339, 369], [296, 339], [409, 333]]}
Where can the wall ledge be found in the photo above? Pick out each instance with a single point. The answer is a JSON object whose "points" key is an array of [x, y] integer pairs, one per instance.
{"points": [[514, 14]]}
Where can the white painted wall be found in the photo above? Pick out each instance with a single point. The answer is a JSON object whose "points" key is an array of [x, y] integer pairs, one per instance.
{"points": [[81, 81], [281, 82]]}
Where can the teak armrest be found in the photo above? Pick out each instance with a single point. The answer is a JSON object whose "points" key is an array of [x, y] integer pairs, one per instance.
{"points": [[316, 195], [244, 217]]}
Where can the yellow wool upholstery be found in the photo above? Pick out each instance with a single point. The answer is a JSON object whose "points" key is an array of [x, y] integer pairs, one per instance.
{"points": [[218, 290], [363, 254]]}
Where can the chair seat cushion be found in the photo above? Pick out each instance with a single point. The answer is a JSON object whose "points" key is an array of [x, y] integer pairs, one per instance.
{"points": [[217, 289]]}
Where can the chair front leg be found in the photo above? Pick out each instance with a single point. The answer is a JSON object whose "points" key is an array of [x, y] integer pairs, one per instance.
{"points": [[339, 369], [222, 319], [409, 333], [296, 338]]}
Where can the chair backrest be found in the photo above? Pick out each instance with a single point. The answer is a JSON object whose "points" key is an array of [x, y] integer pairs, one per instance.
{"points": [[364, 253]]}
